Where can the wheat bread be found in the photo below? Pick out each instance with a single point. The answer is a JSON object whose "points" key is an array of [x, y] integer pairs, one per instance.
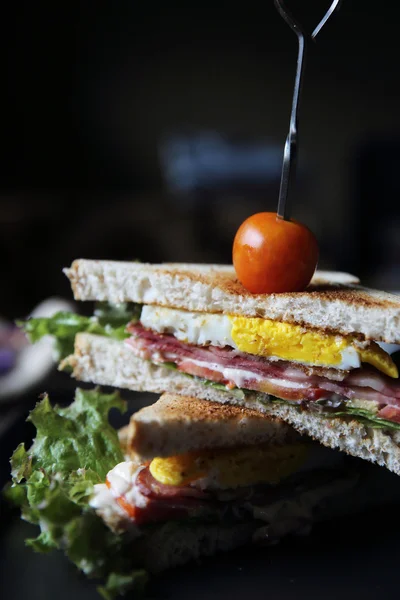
{"points": [[104, 361], [332, 302], [176, 424]]}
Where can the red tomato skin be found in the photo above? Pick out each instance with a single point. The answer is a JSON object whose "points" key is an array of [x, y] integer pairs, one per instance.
{"points": [[271, 255]]}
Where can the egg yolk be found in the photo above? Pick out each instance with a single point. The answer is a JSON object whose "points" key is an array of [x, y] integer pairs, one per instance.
{"points": [[264, 337], [374, 355], [231, 467]]}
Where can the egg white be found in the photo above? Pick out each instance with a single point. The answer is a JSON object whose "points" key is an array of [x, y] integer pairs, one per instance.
{"points": [[202, 329], [199, 329]]}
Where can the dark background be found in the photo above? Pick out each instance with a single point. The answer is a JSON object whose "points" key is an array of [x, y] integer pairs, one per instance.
{"points": [[141, 131], [132, 130]]}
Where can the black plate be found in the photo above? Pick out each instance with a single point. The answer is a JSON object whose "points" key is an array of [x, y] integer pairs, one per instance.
{"points": [[346, 559]]}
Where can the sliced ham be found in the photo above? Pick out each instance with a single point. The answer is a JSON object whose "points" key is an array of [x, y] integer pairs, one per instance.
{"points": [[282, 388], [359, 392], [160, 502], [367, 377], [283, 379], [150, 343], [151, 501]]}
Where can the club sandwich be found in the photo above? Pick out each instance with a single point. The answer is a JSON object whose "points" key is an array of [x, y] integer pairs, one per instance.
{"points": [[316, 359]]}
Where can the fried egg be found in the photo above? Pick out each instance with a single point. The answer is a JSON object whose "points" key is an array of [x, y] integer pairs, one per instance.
{"points": [[267, 338], [229, 468]]}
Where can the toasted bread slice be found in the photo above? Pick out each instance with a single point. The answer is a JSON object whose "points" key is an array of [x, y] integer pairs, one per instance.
{"points": [[104, 361], [177, 424], [333, 301]]}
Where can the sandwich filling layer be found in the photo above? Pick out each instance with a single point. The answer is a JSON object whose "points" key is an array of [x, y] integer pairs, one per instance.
{"points": [[265, 483], [229, 467], [318, 369], [287, 362], [274, 340]]}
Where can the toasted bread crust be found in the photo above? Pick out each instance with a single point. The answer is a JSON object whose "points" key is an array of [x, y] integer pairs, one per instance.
{"points": [[333, 302], [108, 362], [177, 424]]}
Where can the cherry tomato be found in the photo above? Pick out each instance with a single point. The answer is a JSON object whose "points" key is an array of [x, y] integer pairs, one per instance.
{"points": [[271, 255]]}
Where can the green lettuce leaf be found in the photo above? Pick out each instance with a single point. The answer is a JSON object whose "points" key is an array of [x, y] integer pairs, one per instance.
{"points": [[78, 436], [109, 320], [364, 416], [52, 482], [237, 392], [117, 315], [118, 583]]}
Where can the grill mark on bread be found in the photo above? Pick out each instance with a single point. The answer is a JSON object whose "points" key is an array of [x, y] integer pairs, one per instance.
{"points": [[181, 423], [333, 303], [192, 408], [353, 294]]}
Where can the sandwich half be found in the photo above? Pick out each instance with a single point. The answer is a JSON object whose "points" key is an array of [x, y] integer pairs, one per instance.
{"points": [[186, 478], [312, 358]]}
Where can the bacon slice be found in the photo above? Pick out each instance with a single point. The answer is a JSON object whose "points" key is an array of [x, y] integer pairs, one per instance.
{"points": [[283, 379], [160, 502], [157, 502], [276, 387], [150, 343], [165, 504], [367, 377]]}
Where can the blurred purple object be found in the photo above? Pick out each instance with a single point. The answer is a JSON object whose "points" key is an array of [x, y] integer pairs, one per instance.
{"points": [[7, 360], [12, 341], [24, 365], [12, 337]]}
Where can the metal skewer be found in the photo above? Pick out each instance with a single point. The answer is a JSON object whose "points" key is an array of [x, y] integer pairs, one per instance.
{"points": [[290, 152]]}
